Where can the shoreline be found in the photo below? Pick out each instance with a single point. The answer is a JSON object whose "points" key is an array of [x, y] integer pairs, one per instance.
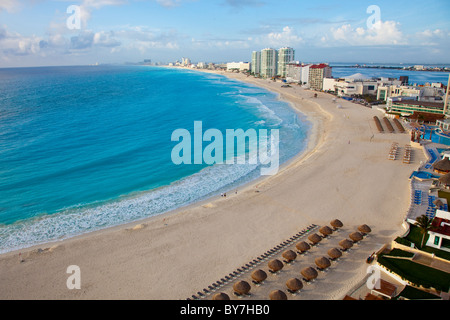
{"points": [[172, 245], [202, 201]]}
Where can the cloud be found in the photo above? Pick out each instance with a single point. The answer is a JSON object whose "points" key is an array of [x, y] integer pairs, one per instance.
{"points": [[263, 37], [244, 3], [169, 3], [435, 37], [97, 4], [286, 37], [382, 33], [221, 43], [14, 44], [143, 39], [9, 5], [238, 5], [89, 39], [88, 6], [82, 41], [106, 39]]}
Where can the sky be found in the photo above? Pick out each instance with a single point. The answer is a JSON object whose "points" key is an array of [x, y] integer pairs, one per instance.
{"points": [[80, 32]]}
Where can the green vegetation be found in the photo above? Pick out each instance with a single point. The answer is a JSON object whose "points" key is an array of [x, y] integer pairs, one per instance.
{"points": [[412, 293], [424, 225], [399, 253], [415, 236], [403, 241], [415, 272]]}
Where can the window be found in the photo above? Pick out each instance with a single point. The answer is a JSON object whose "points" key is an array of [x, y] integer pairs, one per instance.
{"points": [[445, 243], [437, 240]]}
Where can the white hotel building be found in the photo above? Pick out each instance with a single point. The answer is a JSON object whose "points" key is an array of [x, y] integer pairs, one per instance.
{"points": [[238, 66], [269, 62], [256, 62], [285, 56]]}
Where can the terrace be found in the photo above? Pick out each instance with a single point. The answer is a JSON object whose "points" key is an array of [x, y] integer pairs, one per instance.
{"points": [[403, 264]]}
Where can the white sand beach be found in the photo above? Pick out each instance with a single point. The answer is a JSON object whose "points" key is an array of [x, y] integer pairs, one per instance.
{"points": [[344, 174]]}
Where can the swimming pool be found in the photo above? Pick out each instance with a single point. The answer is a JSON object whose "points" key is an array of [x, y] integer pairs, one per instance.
{"points": [[430, 132], [423, 175], [433, 155], [442, 150]]}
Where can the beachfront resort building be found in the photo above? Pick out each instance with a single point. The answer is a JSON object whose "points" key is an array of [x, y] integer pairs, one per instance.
{"points": [[350, 86], [317, 73], [447, 95], [294, 72], [186, 62], [311, 75], [256, 62], [305, 74], [408, 106], [430, 93], [238, 66], [440, 231], [269, 62], [202, 65], [285, 56]]}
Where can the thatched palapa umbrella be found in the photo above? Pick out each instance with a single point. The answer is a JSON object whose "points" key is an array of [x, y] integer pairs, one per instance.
{"points": [[314, 238], [278, 295], [322, 263], [221, 296], [346, 244], [309, 273], [241, 287], [364, 229], [294, 285], [356, 236], [303, 246], [334, 253], [336, 224], [289, 255], [442, 166], [275, 265], [445, 180], [326, 231], [259, 276], [438, 203]]}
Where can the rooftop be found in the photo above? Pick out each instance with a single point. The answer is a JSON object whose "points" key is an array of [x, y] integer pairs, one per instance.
{"points": [[386, 289], [441, 226], [319, 66]]}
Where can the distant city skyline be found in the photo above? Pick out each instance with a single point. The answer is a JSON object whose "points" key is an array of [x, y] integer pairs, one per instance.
{"points": [[75, 32]]}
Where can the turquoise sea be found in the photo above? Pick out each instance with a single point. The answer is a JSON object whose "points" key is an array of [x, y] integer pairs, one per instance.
{"points": [[86, 148]]}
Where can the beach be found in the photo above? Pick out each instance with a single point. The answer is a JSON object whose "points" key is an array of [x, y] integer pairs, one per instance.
{"points": [[343, 174]]}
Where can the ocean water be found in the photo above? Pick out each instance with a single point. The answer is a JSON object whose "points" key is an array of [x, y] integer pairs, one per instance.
{"points": [[86, 148]]}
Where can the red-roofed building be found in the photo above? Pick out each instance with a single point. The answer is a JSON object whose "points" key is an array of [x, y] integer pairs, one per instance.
{"points": [[317, 73], [386, 290], [440, 232]]}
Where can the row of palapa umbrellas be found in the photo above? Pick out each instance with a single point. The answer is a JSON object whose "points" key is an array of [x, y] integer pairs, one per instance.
{"points": [[242, 288]]}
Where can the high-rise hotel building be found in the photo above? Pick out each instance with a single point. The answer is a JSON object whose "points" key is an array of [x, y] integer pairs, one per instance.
{"points": [[269, 62], [285, 56], [256, 62], [317, 73]]}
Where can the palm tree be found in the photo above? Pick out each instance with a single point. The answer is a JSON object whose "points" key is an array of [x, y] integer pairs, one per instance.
{"points": [[424, 223]]}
